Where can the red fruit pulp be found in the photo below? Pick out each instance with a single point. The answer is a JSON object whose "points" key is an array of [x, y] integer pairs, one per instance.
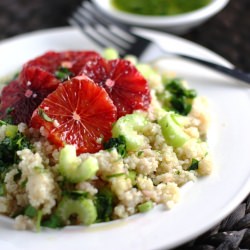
{"points": [[80, 113], [24, 94], [124, 83]]}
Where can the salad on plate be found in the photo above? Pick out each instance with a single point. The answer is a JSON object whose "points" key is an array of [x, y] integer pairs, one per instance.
{"points": [[88, 138]]}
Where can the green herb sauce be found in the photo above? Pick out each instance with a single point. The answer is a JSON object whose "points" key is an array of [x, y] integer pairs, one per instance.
{"points": [[159, 7]]}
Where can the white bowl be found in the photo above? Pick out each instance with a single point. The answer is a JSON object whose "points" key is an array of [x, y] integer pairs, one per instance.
{"points": [[177, 24]]}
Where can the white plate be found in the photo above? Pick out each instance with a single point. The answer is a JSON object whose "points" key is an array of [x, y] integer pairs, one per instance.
{"points": [[203, 204]]}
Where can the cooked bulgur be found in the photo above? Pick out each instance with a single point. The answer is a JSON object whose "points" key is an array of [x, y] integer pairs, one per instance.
{"points": [[154, 172]]}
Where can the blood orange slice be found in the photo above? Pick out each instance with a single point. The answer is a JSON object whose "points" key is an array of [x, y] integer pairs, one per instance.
{"points": [[71, 60], [124, 83], [22, 96], [78, 112]]}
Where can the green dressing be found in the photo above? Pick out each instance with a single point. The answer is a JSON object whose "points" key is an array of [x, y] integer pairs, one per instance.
{"points": [[159, 7]]}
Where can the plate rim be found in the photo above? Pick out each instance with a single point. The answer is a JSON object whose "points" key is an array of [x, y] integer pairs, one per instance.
{"points": [[234, 202]]}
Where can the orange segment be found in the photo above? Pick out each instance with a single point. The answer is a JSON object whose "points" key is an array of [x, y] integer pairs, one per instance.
{"points": [[78, 112]]}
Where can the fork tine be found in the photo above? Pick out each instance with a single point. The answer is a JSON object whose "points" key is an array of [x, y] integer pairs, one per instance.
{"points": [[92, 31], [106, 34], [137, 44], [105, 27], [118, 29], [104, 30], [75, 23]]}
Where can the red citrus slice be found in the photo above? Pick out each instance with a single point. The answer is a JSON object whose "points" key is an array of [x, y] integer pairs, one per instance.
{"points": [[78, 112], [22, 96], [124, 83], [71, 60]]}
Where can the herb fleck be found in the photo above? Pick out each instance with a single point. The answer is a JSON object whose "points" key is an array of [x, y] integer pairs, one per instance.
{"points": [[2, 189], [180, 98], [53, 221], [119, 143], [194, 165], [63, 74], [30, 211], [8, 150], [44, 116], [115, 175], [104, 202]]}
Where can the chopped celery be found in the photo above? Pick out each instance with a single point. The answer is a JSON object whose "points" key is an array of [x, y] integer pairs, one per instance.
{"points": [[145, 207], [133, 59], [33, 213], [84, 209], [172, 130], [71, 167], [11, 130], [146, 70], [129, 126], [110, 54], [132, 176], [39, 220]]}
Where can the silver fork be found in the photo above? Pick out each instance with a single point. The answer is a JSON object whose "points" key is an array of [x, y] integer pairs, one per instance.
{"points": [[105, 33]]}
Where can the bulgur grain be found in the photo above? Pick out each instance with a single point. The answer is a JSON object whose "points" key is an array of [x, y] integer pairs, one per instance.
{"points": [[153, 173]]}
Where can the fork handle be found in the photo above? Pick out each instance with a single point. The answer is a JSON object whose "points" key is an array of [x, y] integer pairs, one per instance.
{"points": [[233, 72], [156, 51]]}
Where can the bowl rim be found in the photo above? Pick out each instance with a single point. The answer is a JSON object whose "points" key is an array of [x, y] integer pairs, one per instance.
{"points": [[146, 20]]}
